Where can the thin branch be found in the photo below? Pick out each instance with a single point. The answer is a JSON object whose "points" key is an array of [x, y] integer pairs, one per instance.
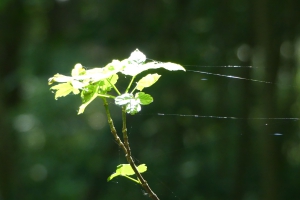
{"points": [[124, 131], [144, 183], [112, 127], [127, 152]]}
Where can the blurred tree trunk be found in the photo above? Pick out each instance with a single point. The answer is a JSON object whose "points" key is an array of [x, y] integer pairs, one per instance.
{"points": [[11, 25], [289, 69], [223, 42], [244, 155], [267, 39]]}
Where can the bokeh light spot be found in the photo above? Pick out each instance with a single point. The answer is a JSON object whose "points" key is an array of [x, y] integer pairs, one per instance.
{"points": [[96, 120], [38, 172], [24, 122]]}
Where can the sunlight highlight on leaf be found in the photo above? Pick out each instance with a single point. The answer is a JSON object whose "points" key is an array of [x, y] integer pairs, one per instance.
{"points": [[147, 81], [99, 81], [126, 170], [63, 90]]}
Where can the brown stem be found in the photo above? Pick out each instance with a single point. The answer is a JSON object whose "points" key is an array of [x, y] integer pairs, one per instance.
{"points": [[112, 127], [124, 131], [126, 149], [144, 183]]}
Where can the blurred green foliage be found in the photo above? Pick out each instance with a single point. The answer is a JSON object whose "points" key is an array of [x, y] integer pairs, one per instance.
{"points": [[49, 152]]}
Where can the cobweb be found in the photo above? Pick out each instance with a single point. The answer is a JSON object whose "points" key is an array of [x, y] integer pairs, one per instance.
{"points": [[266, 121]]}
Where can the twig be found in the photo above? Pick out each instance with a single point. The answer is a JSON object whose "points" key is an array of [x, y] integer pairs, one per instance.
{"points": [[112, 127], [126, 148]]}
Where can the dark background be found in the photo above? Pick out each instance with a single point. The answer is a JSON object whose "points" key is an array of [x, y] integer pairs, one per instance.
{"points": [[49, 152]]}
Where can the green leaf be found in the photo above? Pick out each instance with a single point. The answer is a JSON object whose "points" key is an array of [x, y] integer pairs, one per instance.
{"points": [[142, 168], [147, 81], [59, 78], [88, 95], [63, 90], [168, 66], [107, 83], [126, 170], [84, 105], [123, 99], [85, 77], [110, 69], [78, 84], [78, 70], [131, 103], [145, 99], [137, 57], [135, 64], [133, 107]]}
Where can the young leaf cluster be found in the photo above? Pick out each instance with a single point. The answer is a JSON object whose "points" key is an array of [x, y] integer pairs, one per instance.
{"points": [[99, 82]]}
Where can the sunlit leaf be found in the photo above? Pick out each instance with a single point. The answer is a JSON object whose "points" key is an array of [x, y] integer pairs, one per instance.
{"points": [[62, 89], [126, 170], [124, 99], [87, 96], [107, 83], [78, 84], [147, 81], [131, 69], [89, 76], [137, 57], [97, 74], [132, 104], [59, 78], [135, 64], [168, 66], [78, 70], [84, 105]]}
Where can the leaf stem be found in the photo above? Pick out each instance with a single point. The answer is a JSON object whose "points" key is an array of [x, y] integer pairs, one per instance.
{"points": [[106, 96], [133, 89], [116, 89], [127, 89], [138, 182]]}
